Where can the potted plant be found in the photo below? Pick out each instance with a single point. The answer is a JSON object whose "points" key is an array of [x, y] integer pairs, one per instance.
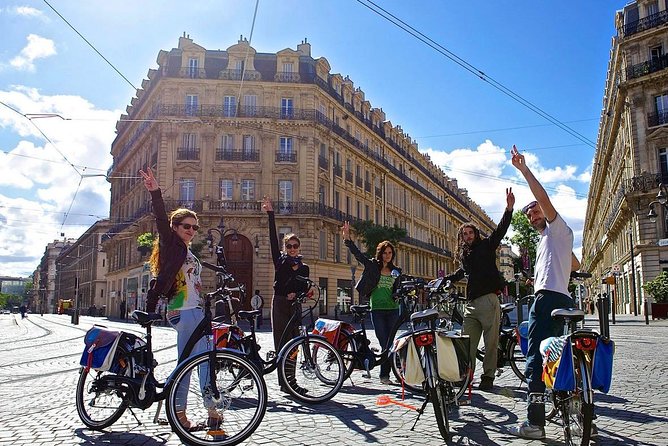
{"points": [[145, 242], [658, 289]]}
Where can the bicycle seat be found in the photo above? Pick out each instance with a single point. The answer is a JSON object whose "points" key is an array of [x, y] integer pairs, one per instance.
{"points": [[572, 314], [249, 315], [144, 319], [507, 308], [427, 315], [360, 310]]}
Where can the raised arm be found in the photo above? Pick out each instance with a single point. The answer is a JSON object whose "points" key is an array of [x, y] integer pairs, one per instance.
{"points": [[161, 219], [502, 228], [273, 236], [354, 250], [536, 188]]}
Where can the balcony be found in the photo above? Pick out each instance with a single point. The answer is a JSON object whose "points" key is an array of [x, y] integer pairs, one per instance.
{"points": [[187, 154], [338, 170], [286, 157], [192, 73], [235, 75], [644, 68], [237, 155], [646, 182], [349, 176], [646, 23], [379, 193], [367, 186], [323, 162], [358, 182]]}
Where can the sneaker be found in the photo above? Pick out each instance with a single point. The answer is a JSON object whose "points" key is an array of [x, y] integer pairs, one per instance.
{"points": [[528, 430], [486, 384], [386, 380], [577, 430]]}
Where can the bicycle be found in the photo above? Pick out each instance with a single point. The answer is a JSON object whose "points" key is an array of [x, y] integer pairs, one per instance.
{"points": [[355, 346], [225, 402], [309, 367], [437, 290], [432, 359]]}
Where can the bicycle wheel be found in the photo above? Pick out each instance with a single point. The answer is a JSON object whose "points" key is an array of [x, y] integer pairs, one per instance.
{"points": [[227, 419], [516, 359], [577, 409], [311, 369], [439, 399], [398, 371], [98, 404], [347, 348]]}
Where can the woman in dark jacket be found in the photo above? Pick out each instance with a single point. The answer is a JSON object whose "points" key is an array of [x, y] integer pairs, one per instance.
{"points": [[287, 265], [177, 273], [377, 283]]}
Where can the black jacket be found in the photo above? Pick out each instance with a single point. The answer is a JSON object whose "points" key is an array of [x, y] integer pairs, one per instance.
{"points": [[371, 274], [173, 253], [284, 277], [480, 262]]}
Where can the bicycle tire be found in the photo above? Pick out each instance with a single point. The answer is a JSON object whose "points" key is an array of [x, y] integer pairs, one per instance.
{"points": [[311, 369], [348, 347], [577, 408], [516, 359], [226, 420], [93, 394], [439, 400]]}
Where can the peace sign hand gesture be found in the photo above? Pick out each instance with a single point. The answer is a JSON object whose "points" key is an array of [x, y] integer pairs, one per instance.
{"points": [[150, 182]]}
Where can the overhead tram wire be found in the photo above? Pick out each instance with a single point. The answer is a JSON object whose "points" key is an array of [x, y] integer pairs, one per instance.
{"points": [[472, 69], [243, 68]]}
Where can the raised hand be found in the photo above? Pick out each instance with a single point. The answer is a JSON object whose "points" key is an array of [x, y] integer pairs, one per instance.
{"points": [[150, 182], [510, 198], [518, 159], [266, 204], [345, 231]]}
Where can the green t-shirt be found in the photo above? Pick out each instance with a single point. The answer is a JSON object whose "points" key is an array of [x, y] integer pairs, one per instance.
{"points": [[381, 296]]}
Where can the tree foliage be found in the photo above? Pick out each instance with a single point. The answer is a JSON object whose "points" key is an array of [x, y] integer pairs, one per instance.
{"points": [[145, 240], [658, 287], [525, 237], [370, 234]]}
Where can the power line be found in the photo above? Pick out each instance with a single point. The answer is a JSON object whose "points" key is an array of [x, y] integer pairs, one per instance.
{"points": [[472, 69], [472, 132]]}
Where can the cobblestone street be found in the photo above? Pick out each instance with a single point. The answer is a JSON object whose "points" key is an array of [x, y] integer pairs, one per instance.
{"points": [[39, 371]]}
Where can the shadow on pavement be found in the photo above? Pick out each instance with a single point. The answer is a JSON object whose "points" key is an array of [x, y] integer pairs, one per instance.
{"points": [[94, 438]]}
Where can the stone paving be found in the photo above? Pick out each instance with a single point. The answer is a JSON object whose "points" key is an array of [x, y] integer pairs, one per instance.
{"points": [[39, 370]]}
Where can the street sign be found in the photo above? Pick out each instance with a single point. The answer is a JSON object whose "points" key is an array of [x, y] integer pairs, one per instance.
{"points": [[662, 242], [616, 269]]}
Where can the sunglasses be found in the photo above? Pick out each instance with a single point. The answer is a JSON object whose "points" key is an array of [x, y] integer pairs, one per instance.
{"points": [[531, 205], [291, 246], [187, 226]]}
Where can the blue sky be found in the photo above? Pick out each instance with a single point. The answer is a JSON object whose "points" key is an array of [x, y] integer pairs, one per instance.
{"points": [[553, 54]]}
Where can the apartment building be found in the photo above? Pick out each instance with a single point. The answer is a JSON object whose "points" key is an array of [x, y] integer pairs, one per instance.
{"points": [[626, 225], [223, 128]]}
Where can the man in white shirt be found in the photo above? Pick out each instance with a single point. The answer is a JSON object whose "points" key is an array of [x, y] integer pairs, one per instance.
{"points": [[554, 262]]}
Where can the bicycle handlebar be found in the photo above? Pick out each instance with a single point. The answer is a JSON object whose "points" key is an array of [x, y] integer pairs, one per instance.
{"points": [[580, 275]]}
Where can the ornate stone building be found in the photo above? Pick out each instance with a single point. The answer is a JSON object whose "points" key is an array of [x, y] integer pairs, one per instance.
{"points": [[621, 239], [222, 129]]}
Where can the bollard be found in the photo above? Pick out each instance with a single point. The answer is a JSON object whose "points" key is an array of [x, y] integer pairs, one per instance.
{"points": [[612, 303]]}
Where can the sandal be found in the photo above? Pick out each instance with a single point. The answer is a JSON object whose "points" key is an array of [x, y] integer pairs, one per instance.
{"points": [[188, 425]]}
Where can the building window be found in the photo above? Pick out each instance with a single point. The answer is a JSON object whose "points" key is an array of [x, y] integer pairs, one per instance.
{"points": [[652, 8], [229, 106], [226, 189], [288, 67], [248, 190], [193, 68], [655, 53], [323, 245], [285, 195], [663, 165], [287, 111], [191, 105], [250, 105], [285, 149], [248, 144], [187, 192], [337, 247]]}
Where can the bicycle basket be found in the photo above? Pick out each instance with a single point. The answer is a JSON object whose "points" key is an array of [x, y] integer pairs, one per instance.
{"points": [[449, 349], [100, 348]]}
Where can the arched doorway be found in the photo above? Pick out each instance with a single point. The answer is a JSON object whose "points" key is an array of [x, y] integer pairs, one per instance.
{"points": [[239, 253]]}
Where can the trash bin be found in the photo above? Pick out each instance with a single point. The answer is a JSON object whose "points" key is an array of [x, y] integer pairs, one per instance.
{"points": [[103, 310]]}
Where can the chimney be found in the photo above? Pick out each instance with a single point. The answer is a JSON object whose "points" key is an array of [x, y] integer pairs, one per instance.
{"points": [[304, 48]]}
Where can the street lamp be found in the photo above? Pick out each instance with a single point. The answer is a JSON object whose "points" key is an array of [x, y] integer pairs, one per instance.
{"points": [[222, 232]]}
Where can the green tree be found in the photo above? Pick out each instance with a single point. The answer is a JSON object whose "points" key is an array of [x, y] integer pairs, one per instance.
{"points": [[370, 234], [145, 240], [658, 287], [525, 237]]}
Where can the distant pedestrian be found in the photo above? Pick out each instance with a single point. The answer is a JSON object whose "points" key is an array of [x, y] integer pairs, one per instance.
{"points": [[22, 310], [124, 314]]}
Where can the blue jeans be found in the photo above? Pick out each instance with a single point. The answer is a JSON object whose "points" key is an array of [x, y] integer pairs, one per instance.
{"points": [[384, 322], [541, 326], [185, 324]]}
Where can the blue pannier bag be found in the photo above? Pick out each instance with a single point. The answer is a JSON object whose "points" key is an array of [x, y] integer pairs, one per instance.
{"points": [[100, 348], [565, 377], [601, 370]]}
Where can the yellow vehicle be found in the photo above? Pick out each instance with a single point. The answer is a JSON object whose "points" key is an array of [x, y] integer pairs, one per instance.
{"points": [[64, 306]]}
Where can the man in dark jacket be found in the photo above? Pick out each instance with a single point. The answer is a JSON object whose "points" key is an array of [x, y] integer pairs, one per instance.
{"points": [[477, 256]]}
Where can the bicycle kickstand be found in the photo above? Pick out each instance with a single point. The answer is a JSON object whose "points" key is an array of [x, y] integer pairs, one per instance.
{"points": [[156, 418], [420, 411]]}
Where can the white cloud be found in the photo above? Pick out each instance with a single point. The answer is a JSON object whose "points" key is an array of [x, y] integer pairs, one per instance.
{"points": [[485, 172], [27, 11], [38, 185], [37, 48]]}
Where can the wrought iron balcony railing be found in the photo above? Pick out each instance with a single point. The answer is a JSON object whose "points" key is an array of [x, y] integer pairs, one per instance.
{"points": [[656, 119], [286, 157], [187, 153], [651, 21], [650, 66], [237, 155], [323, 162]]}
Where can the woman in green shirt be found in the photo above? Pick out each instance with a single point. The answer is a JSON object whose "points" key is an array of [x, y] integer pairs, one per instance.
{"points": [[377, 284]]}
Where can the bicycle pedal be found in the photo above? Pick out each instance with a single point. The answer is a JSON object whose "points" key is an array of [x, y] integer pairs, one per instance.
{"points": [[375, 349]]}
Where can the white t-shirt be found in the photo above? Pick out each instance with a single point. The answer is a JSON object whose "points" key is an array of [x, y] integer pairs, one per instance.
{"points": [[188, 285], [554, 257]]}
